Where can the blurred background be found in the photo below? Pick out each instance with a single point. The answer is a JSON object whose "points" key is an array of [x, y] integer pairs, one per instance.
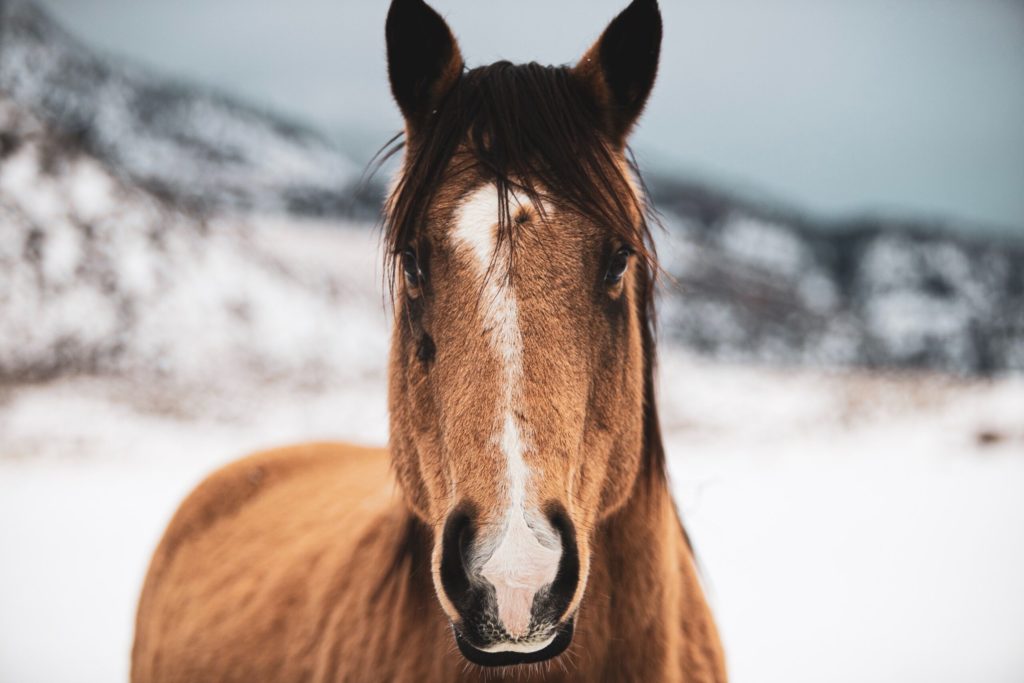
{"points": [[190, 269]]}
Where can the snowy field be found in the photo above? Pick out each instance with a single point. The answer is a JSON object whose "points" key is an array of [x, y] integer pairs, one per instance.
{"points": [[850, 527]]}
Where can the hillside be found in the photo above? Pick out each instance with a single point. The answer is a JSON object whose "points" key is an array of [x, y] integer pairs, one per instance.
{"points": [[197, 147], [98, 276], [760, 281], [750, 280]]}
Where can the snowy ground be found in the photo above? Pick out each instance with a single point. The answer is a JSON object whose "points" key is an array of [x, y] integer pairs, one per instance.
{"points": [[851, 528]]}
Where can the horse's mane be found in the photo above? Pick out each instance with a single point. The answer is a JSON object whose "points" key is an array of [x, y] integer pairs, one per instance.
{"points": [[535, 130]]}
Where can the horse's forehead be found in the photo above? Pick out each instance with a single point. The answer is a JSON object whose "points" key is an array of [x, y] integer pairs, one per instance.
{"points": [[474, 224], [467, 202], [470, 222]]}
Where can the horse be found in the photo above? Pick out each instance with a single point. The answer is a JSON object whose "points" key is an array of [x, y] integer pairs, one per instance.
{"points": [[532, 531]]}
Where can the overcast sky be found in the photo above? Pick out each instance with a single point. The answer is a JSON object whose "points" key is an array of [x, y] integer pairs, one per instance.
{"points": [[840, 106]]}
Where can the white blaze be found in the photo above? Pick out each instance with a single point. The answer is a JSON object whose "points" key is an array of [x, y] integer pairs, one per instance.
{"points": [[526, 556]]}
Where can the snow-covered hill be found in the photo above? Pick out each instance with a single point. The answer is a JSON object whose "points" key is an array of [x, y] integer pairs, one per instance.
{"points": [[755, 281], [99, 276], [192, 145]]}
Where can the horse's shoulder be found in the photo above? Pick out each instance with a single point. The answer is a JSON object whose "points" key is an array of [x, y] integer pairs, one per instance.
{"points": [[231, 549], [228, 490]]}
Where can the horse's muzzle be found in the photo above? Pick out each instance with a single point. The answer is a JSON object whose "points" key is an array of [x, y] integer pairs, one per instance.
{"points": [[481, 635]]}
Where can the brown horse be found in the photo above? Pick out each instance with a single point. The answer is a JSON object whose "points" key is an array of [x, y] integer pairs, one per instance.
{"points": [[534, 530]]}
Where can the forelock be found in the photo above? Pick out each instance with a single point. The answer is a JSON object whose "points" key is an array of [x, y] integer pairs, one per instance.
{"points": [[530, 130]]}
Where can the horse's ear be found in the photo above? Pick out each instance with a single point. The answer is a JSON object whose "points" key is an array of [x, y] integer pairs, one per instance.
{"points": [[619, 69], [423, 59]]}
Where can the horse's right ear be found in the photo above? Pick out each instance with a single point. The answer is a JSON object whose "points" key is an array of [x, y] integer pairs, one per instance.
{"points": [[424, 61], [619, 69]]}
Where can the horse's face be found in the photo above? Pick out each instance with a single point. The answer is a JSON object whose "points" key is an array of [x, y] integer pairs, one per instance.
{"points": [[517, 367], [521, 391]]}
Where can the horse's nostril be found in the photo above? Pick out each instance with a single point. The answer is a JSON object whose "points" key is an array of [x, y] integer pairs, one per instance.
{"points": [[456, 541], [563, 588]]}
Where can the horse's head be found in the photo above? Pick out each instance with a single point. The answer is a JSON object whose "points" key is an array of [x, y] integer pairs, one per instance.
{"points": [[521, 267]]}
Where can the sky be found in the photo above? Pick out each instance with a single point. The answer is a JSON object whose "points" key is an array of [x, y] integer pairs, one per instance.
{"points": [[839, 107]]}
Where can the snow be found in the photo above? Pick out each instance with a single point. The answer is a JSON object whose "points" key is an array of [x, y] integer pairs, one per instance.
{"points": [[764, 245], [759, 283], [855, 529], [850, 527], [97, 274]]}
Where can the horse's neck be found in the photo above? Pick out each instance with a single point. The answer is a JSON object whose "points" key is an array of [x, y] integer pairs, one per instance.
{"points": [[644, 617], [630, 621]]}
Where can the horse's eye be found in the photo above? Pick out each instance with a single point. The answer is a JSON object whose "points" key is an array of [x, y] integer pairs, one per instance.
{"points": [[411, 268], [617, 267]]}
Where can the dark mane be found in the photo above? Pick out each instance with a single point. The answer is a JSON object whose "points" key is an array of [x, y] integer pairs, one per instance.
{"points": [[536, 130]]}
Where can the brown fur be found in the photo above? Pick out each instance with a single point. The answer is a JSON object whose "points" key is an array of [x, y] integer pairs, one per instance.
{"points": [[304, 564]]}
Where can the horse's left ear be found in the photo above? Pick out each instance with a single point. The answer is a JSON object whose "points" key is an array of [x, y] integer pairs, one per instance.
{"points": [[424, 61], [619, 69]]}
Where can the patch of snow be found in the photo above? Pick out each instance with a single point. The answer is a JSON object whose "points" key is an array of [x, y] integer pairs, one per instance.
{"points": [[763, 245]]}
